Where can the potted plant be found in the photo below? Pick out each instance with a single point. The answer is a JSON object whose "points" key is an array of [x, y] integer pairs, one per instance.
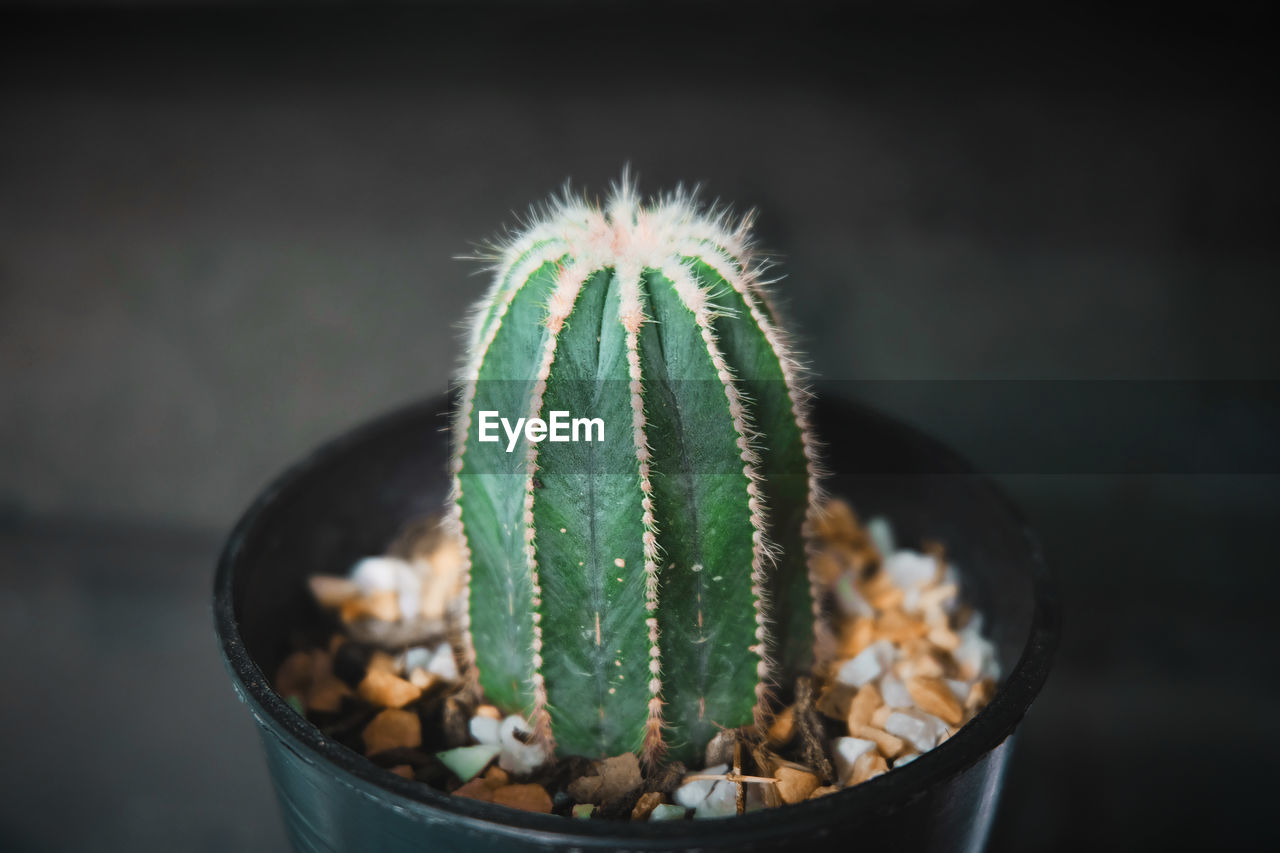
{"points": [[633, 484]]}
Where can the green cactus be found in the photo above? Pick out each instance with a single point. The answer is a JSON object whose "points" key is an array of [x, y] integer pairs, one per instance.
{"points": [[634, 593]]}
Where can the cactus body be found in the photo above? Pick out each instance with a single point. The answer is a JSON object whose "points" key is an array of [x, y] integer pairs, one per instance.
{"points": [[638, 592]]}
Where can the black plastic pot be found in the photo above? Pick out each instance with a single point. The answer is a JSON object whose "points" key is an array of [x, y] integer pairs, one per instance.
{"points": [[350, 499]]}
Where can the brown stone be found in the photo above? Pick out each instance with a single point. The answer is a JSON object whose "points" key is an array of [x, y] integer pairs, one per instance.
{"points": [[423, 680], [293, 676], [496, 777], [720, 748], [327, 694], [380, 687], [934, 696], [783, 727], [391, 729], [864, 704], [980, 694], [944, 638], [826, 568], [881, 592], [856, 636], [529, 798], [331, 591], [867, 766], [476, 789], [619, 776], [404, 770], [794, 786], [489, 711], [836, 700], [922, 663], [646, 804], [836, 521], [897, 627], [585, 789], [383, 661], [891, 746], [383, 605], [823, 791]]}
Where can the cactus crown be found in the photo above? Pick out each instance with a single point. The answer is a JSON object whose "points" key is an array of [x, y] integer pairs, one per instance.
{"points": [[634, 593]]}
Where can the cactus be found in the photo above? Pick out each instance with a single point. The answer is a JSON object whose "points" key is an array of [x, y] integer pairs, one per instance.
{"points": [[638, 593]]}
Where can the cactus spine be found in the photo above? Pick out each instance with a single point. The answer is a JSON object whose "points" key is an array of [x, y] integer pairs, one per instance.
{"points": [[636, 593]]}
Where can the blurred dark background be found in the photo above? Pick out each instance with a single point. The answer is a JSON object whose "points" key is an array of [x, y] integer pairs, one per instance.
{"points": [[227, 232]]}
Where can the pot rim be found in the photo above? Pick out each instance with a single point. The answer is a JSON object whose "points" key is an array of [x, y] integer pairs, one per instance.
{"points": [[881, 795]]}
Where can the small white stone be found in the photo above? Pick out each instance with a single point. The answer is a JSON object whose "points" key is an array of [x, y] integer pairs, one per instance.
{"points": [[691, 794], [894, 692], [949, 576], [976, 654], [881, 533], [911, 600], [867, 665], [850, 599], [905, 759], [442, 663], [518, 757], [721, 802], [418, 657], [375, 574], [485, 730], [378, 574], [921, 730], [959, 689], [908, 569], [409, 589], [666, 811], [847, 750]]}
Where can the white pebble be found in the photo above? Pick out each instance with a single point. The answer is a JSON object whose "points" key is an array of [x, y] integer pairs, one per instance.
{"points": [[375, 574], [911, 600], [721, 802], [976, 654], [905, 759], [691, 794], [666, 811], [485, 730], [409, 589], [921, 730], [908, 569], [959, 689], [849, 599], [418, 657], [518, 757], [867, 665], [378, 574], [949, 577], [881, 533], [847, 750], [442, 663], [894, 692]]}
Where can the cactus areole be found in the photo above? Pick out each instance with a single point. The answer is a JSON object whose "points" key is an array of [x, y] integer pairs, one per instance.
{"points": [[646, 584]]}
